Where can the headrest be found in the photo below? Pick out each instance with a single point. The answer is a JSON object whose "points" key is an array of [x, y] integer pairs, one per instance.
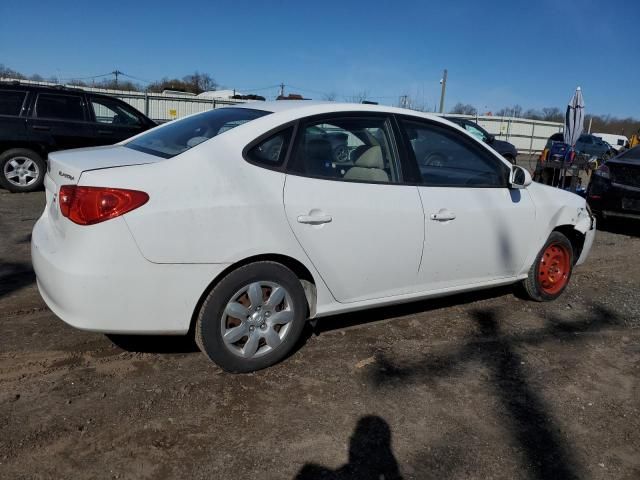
{"points": [[371, 158]]}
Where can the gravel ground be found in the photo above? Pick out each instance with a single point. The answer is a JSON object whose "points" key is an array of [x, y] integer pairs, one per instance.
{"points": [[474, 386]]}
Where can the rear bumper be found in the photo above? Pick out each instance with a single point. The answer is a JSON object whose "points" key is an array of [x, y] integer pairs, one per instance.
{"points": [[97, 280]]}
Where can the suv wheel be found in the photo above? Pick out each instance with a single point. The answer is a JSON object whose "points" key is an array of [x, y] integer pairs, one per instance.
{"points": [[21, 170]]}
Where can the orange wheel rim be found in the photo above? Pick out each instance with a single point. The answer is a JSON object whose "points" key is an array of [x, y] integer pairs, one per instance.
{"points": [[554, 268]]}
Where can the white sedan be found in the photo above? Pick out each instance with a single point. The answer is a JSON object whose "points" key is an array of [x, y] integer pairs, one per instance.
{"points": [[240, 223]]}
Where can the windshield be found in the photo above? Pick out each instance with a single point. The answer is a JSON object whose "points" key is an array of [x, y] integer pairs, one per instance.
{"points": [[181, 135]]}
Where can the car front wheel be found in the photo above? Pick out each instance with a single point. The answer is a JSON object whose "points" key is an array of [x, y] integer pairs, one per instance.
{"points": [[550, 273], [21, 170], [252, 318]]}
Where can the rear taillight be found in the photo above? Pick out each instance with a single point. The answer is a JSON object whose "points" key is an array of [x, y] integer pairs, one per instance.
{"points": [[603, 171], [90, 205]]}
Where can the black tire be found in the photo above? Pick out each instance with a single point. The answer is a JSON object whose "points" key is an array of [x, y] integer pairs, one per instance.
{"points": [[533, 285], [20, 154], [208, 329]]}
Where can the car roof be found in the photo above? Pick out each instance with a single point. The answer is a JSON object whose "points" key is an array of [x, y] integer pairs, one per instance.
{"points": [[311, 107], [13, 84]]}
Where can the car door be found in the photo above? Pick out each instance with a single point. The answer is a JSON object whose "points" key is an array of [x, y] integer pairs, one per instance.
{"points": [[60, 121], [114, 120], [359, 225], [13, 126], [477, 229]]}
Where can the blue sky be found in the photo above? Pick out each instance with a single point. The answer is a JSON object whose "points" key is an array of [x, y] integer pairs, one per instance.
{"points": [[532, 53]]}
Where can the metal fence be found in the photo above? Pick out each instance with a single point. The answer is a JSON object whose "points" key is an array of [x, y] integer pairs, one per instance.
{"points": [[529, 136], [162, 108]]}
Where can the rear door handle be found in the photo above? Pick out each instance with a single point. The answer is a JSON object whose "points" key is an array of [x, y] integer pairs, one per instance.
{"points": [[443, 216], [105, 132], [40, 127], [314, 219]]}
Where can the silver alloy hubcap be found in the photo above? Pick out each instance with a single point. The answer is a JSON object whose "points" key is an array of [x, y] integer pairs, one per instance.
{"points": [[257, 319], [21, 171]]}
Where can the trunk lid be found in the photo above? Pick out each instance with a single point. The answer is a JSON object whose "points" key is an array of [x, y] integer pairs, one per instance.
{"points": [[65, 167]]}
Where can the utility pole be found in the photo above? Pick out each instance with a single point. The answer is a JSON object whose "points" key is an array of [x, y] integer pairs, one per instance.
{"points": [[443, 82], [403, 101], [116, 73], [282, 90]]}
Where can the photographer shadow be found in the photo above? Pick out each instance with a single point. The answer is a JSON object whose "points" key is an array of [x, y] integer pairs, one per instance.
{"points": [[370, 455]]}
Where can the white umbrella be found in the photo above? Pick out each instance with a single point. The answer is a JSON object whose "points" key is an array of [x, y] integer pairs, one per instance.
{"points": [[574, 119]]}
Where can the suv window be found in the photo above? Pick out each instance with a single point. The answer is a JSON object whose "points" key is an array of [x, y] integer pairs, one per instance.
{"points": [[446, 158], [272, 151], [181, 135], [11, 102], [113, 112], [348, 148], [63, 107]]}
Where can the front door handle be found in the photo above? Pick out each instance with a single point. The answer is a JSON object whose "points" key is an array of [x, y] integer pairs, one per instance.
{"points": [[41, 127], [443, 216], [105, 132], [314, 219]]}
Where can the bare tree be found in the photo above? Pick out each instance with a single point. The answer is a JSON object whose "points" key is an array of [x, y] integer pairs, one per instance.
{"points": [[463, 109], [515, 111], [330, 96], [358, 97], [552, 114]]}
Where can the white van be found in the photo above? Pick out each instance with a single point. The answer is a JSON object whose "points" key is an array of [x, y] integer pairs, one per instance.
{"points": [[618, 142]]}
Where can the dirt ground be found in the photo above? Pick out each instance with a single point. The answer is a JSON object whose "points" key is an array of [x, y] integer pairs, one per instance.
{"points": [[474, 386]]}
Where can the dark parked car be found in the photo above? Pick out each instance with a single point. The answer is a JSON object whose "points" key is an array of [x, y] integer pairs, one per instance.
{"points": [[587, 144], [506, 149], [36, 120], [614, 190]]}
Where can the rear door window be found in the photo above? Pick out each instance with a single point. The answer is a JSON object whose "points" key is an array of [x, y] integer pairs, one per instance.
{"points": [[60, 107], [11, 102], [346, 148]]}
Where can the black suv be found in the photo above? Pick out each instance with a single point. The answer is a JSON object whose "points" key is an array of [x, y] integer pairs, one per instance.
{"points": [[36, 120], [506, 149]]}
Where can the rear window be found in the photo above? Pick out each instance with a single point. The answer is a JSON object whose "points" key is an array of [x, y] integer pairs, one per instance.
{"points": [[181, 135], [11, 102]]}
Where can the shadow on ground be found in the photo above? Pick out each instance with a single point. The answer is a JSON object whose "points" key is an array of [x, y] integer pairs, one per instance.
{"points": [[526, 416], [14, 276], [620, 226], [370, 455], [155, 343], [372, 315]]}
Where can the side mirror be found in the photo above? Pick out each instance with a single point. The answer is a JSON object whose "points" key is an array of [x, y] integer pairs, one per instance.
{"points": [[520, 177], [490, 138]]}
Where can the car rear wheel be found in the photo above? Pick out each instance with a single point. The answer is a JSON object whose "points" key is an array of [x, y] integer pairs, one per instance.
{"points": [[252, 318], [21, 170], [550, 273]]}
